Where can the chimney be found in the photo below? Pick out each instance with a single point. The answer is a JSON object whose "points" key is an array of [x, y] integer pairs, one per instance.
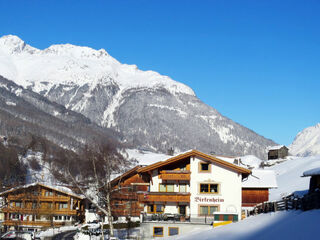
{"points": [[170, 151]]}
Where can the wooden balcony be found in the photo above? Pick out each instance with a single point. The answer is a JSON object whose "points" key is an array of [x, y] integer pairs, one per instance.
{"points": [[43, 211], [175, 175], [38, 198], [164, 197], [35, 223]]}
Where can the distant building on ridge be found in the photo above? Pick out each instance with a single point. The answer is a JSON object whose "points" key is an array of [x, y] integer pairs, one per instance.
{"points": [[277, 152]]}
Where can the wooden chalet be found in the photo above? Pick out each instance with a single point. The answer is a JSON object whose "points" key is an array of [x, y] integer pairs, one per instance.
{"points": [[124, 196], [277, 152], [37, 206]]}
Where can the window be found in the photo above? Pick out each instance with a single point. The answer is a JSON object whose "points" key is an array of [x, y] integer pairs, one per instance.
{"points": [[35, 193], [163, 187], [208, 210], [158, 231], [48, 193], [34, 205], [209, 188], [204, 167], [156, 208], [18, 204], [173, 231], [182, 187], [63, 205]]}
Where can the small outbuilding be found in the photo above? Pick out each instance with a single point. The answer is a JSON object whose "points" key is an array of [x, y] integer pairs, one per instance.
{"points": [[277, 152], [255, 189], [314, 180]]}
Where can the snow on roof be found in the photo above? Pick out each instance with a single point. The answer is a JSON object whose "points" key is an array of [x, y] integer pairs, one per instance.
{"points": [[311, 172], [57, 188], [275, 147], [261, 179]]}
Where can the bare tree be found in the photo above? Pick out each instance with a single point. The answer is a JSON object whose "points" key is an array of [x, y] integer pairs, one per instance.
{"points": [[92, 172]]}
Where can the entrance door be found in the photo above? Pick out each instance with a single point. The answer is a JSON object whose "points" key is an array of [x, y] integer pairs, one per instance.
{"points": [[182, 209]]}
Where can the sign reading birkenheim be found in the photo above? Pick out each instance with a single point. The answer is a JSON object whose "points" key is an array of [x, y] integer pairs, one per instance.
{"points": [[205, 199]]}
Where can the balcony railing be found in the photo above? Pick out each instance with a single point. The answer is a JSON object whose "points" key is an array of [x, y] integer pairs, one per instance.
{"points": [[175, 175], [192, 218], [64, 211], [164, 197], [47, 223]]}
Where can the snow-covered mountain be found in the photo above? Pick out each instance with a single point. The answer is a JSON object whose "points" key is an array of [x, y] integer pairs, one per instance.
{"points": [[307, 142], [152, 111]]}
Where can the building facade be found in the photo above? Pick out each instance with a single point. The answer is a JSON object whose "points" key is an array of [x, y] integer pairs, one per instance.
{"points": [[38, 206], [194, 185]]}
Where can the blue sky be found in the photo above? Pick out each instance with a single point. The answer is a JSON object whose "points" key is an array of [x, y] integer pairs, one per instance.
{"points": [[256, 62]]}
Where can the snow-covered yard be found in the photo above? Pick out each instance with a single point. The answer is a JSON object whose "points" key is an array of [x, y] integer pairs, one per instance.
{"points": [[53, 231], [293, 225], [289, 175]]}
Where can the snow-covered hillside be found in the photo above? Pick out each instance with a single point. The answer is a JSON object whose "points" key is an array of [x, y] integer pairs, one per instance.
{"points": [[289, 176], [307, 142], [150, 110]]}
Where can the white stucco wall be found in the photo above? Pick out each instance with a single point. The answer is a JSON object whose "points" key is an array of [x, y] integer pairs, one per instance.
{"points": [[230, 188]]}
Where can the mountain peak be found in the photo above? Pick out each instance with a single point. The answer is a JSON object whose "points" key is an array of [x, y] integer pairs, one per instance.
{"points": [[76, 51], [72, 64], [307, 142], [12, 44]]}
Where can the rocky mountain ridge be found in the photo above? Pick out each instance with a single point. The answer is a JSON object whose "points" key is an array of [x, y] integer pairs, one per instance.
{"points": [[151, 111]]}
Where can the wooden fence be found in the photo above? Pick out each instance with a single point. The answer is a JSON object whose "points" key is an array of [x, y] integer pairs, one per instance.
{"points": [[307, 202]]}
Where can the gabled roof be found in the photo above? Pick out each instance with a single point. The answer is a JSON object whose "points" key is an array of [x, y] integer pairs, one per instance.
{"points": [[61, 189], [196, 153], [126, 175]]}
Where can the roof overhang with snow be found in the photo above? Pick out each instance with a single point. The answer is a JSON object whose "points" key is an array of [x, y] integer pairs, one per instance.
{"points": [[276, 147], [261, 179], [60, 189], [311, 172], [195, 153], [125, 175]]}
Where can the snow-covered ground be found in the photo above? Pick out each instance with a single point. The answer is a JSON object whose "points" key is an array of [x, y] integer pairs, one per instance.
{"points": [[293, 225], [53, 231], [289, 175]]}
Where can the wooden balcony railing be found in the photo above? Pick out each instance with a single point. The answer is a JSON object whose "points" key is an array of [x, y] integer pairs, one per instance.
{"points": [[175, 175], [35, 223], [40, 198], [164, 197], [40, 211]]}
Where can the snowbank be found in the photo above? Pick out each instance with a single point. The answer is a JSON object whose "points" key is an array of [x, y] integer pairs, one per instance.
{"points": [[291, 225]]}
